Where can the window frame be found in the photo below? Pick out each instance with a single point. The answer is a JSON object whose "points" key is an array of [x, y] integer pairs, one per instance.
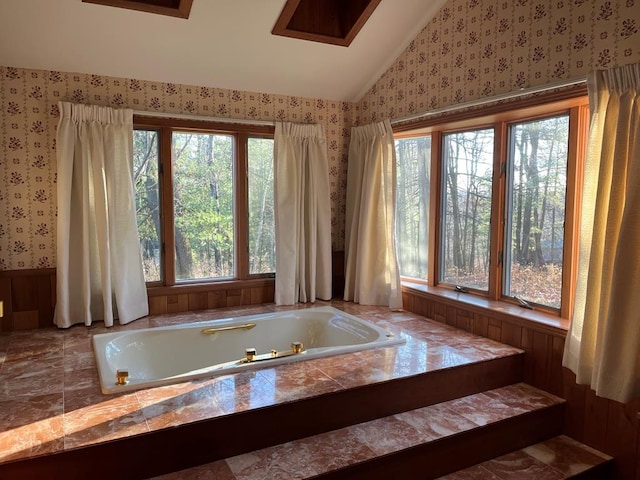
{"points": [[240, 133], [573, 102]]}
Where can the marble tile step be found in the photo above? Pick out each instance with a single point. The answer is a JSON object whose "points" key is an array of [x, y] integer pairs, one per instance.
{"points": [[558, 458], [423, 443], [220, 437]]}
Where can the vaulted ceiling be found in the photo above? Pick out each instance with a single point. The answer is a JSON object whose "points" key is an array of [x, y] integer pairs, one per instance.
{"points": [[223, 43]]}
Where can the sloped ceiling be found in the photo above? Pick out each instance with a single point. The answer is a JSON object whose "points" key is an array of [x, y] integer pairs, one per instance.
{"points": [[224, 43]]}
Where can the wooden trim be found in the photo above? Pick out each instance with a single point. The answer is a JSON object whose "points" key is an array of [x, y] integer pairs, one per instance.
{"points": [[27, 272], [433, 262], [168, 266], [578, 133], [499, 187], [171, 8], [241, 207], [494, 309], [205, 126], [487, 114], [186, 288]]}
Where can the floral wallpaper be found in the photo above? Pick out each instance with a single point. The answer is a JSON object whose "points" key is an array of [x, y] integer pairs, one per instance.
{"points": [[28, 122], [481, 48], [471, 49]]}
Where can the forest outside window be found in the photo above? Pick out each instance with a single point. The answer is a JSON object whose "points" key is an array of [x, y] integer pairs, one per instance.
{"points": [[504, 196], [536, 183], [413, 161], [204, 203], [466, 208]]}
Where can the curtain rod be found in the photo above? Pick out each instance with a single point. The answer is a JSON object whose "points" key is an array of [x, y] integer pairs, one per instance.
{"points": [[496, 98], [200, 118]]}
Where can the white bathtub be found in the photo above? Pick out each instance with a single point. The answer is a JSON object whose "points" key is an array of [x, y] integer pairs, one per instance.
{"points": [[164, 355]]}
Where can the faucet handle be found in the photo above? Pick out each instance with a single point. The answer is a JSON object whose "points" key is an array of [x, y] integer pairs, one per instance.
{"points": [[250, 354]]}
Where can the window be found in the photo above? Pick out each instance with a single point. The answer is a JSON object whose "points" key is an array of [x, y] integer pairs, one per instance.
{"points": [[535, 204], [147, 186], [413, 160], [203, 214], [204, 201], [466, 208], [262, 241], [506, 201]]}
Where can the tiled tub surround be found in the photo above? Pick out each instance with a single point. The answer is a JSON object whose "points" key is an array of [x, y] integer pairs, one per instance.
{"points": [[152, 357], [50, 398]]}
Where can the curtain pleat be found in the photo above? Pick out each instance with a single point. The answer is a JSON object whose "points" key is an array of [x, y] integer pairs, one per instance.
{"points": [[99, 268], [603, 345], [303, 214], [371, 266]]}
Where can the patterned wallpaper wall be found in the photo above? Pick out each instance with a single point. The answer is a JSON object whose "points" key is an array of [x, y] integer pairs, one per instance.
{"points": [[480, 48], [472, 49], [28, 121]]}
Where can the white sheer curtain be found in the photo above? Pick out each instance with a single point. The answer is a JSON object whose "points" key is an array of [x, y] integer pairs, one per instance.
{"points": [[303, 214], [371, 266], [603, 345], [99, 269]]}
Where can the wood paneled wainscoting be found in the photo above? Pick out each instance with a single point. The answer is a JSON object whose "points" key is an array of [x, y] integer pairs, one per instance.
{"points": [[29, 297], [608, 426]]}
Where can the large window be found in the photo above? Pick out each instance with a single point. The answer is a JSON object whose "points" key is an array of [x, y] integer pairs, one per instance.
{"points": [[204, 202], [506, 202], [413, 159]]}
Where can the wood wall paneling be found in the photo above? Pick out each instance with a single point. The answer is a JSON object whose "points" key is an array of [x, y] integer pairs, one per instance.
{"points": [[29, 299], [5, 295], [606, 425], [30, 295], [622, 435]]}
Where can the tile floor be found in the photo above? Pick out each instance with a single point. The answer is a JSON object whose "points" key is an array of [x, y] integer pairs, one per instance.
{"points": [[347, 446], [554, 459], [50, 398]]}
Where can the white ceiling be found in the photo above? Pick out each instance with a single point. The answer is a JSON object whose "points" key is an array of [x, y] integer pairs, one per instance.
{"points": [[224, 44]]}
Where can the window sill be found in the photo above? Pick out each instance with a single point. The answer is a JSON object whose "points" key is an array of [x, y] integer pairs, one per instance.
{"points": [[154, 291], [496, 309]]}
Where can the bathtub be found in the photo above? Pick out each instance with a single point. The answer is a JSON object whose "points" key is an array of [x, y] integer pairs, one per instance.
{"points": [[150, 357]]}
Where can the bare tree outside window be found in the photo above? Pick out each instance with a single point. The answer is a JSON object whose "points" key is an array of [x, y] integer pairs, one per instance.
{"points": [[262, 242], [413, 160], [536, 194], [145, 178], [203, 205], [466, 208]]}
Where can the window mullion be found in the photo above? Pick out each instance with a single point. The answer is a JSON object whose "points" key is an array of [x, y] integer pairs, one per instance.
{"points": [[166, 179], [241, 207], [434, 207], [498, 211]]}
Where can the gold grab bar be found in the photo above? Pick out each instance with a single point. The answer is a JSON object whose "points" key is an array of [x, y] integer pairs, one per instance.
{"points": [[244, 326]]}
